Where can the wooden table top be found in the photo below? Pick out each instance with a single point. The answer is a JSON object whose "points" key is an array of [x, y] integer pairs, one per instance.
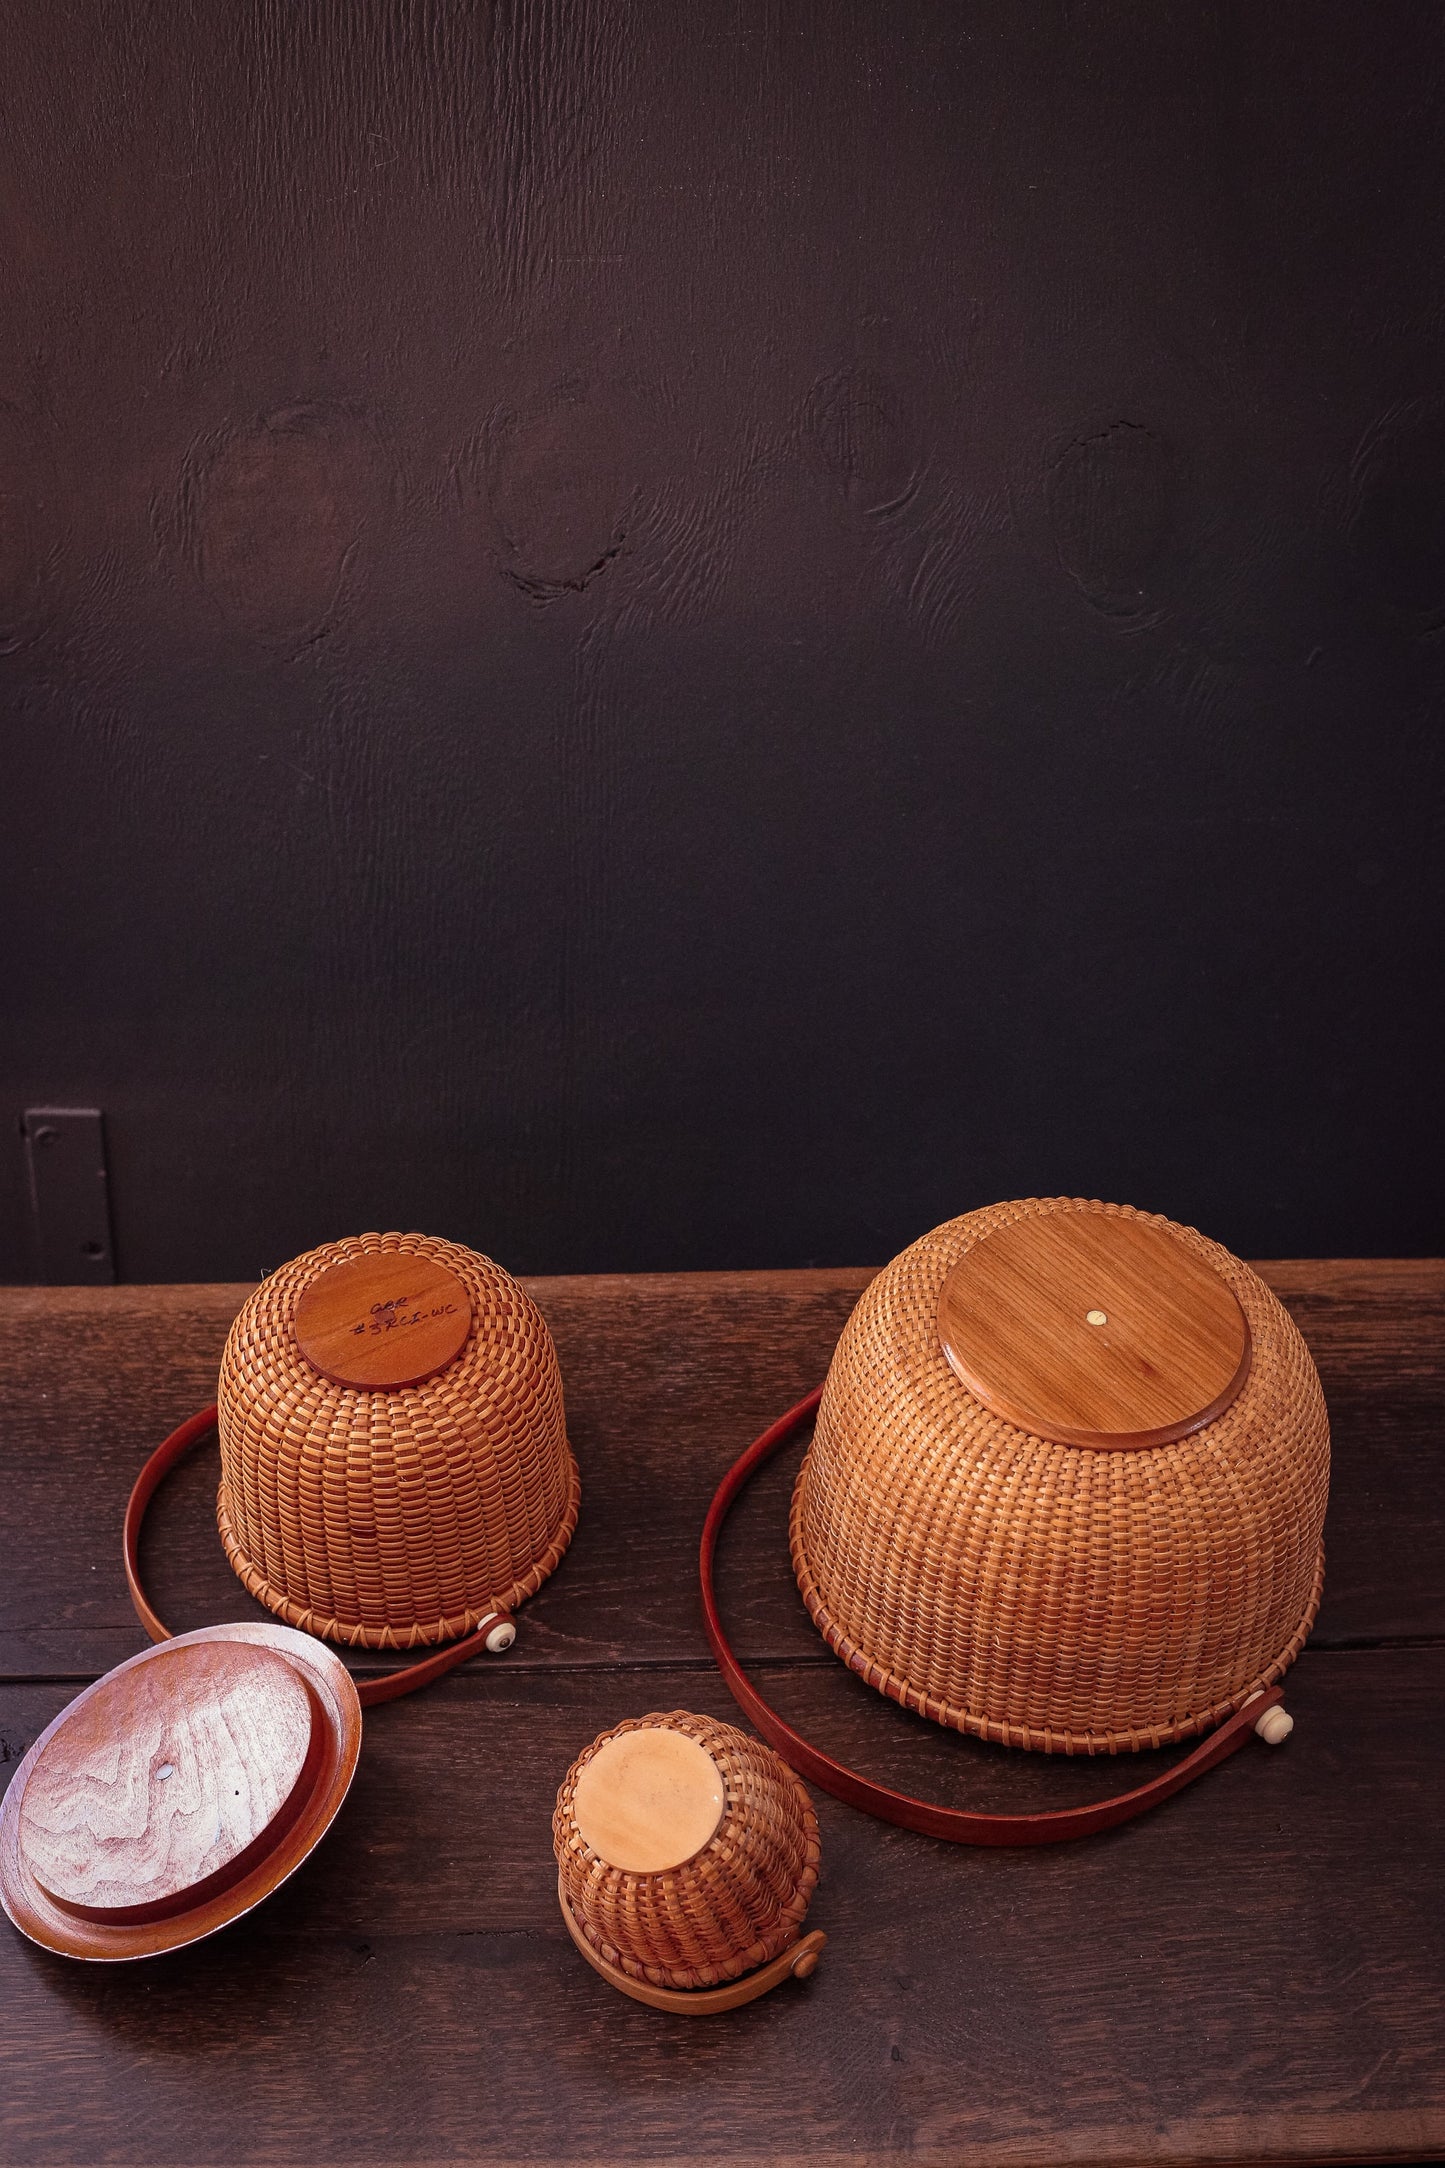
{"points": [[1255, 1972]]}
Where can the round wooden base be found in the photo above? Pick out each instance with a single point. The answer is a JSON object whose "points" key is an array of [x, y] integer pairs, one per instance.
{"points": [[797, 1962], [1094, 1328]]}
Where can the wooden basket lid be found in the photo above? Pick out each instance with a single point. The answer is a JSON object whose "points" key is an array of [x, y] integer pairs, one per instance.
{"points": [[176, 1792], [383, 1319], [648, 1800]]}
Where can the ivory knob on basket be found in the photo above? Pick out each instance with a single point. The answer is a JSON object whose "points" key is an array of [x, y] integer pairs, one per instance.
{"points": [[1275, 1726]]}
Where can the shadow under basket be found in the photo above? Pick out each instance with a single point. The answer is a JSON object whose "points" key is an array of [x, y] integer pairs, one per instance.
{"points": [[395, 1471], [687, 1857]]}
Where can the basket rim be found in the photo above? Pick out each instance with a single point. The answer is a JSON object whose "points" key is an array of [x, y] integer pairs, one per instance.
{"points": [[422, 1634]]}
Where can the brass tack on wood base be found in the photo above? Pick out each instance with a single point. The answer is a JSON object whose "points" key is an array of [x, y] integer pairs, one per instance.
{"points": [[1094, 1328]]}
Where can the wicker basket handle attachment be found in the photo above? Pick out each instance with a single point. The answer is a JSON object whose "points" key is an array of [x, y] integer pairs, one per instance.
{"points": [[495, 1633], [1263, 1714]]}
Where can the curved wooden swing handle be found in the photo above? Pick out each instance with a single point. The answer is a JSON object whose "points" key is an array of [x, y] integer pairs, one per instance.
{"points": [[1263, 1714], [495, 1632], [797, 1962]]}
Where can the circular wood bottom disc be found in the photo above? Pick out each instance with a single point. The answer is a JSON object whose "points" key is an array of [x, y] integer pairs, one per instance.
{"points": [[178, 1791], [648, 1800], [1094, 1328], [382, 1320]]}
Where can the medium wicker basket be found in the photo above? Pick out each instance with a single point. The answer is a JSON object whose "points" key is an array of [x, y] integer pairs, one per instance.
{"points": [[687, 1855], [394, 1458]]}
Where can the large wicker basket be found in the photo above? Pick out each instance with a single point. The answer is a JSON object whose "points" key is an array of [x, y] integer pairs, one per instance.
{"points": [[743, 1823], [394, 1458], [1075, 1597]]}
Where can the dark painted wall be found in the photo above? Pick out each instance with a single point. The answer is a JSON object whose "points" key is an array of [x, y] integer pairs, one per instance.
{"points": [[676, 635]]}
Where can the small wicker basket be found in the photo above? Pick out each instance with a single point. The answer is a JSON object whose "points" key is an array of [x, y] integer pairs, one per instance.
{"points": [[687, 1857], [394, 1458]]}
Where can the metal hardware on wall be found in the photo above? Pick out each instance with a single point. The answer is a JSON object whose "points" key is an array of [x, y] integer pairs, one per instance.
{"points": [[69, 1196]]}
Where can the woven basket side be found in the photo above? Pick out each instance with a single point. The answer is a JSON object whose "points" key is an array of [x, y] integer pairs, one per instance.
{"points": [[1051, 1596], [735, 1905], [397, 1518]]}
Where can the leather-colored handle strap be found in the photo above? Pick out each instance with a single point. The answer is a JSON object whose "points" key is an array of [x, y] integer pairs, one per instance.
{"points": [[369, 1692], [954, 1823]]}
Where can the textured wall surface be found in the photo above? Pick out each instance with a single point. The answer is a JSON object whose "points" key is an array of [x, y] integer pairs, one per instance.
{"points": [[686, 634]]}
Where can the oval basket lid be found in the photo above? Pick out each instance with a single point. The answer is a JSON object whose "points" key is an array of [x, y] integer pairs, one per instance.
{"points": [[1094, 1329], [175, 1793]]}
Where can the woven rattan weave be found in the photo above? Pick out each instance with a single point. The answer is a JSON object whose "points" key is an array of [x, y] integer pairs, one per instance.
{"points": [[1048, 1595], [737, 1903], [394, 1518]]}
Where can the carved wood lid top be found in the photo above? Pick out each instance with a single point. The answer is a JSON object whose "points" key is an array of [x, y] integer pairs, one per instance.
{"points": [[1095, 1329], [648, 1800], [383, 1320], [175, 1793], [167, 1781]]}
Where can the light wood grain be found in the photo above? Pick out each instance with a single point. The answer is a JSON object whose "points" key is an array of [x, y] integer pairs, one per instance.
{"points": [[1254, 1973], [383, 1320], [1091, 1329], [165, 1777], [176, 1793], [648, 1800]]}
